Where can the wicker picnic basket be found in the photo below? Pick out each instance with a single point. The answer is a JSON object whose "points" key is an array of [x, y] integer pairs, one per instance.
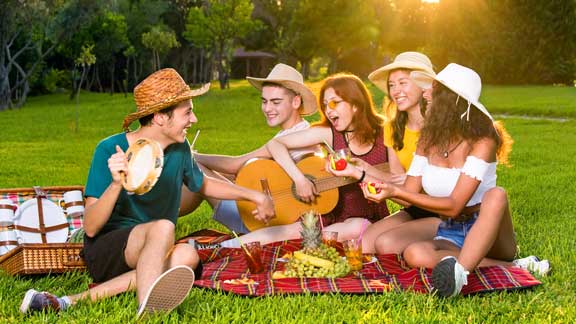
{"points": [[41, 258]]}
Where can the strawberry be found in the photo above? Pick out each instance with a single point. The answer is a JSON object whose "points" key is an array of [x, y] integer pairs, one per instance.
{"points": [[340, 165]]}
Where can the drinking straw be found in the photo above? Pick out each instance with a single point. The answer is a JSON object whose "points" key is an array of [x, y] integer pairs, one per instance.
{"points": [[364, 225], [321, 222], [242, 245], [329, 147], [195, 138]]}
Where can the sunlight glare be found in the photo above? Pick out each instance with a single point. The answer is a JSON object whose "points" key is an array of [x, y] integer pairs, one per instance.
{"points": [[431, 1]]}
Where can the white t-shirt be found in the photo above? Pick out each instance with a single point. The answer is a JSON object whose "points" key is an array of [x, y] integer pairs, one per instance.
{"points": [[297, 154]]}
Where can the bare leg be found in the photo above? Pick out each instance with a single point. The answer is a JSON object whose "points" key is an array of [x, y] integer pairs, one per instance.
{"points": [[273, 234], [349, 228], [428, 253], [182, 254], [491, 240], [396, 239], [381, 226]]}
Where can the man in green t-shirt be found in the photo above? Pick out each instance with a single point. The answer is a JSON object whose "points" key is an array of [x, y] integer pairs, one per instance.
{"points": [[129, 241]]}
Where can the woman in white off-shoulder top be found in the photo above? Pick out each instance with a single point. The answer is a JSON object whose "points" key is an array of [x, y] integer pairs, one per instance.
{"points": [[453, 173]]}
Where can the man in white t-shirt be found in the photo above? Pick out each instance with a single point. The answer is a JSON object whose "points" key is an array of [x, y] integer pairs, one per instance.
{"points": [[285, 99]]}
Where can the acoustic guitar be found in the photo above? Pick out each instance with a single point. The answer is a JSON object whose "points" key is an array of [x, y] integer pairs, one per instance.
{"points": [[266, 175]]}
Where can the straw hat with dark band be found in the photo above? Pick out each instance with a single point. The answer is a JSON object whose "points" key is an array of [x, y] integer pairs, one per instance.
{"points": [[414, 61], [160, 90], [289, 78]]}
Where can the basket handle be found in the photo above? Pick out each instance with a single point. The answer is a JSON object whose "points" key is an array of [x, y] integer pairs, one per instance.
{"points": [[71, 260]]}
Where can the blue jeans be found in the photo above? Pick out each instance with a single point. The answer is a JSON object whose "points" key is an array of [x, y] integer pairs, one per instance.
{"points": [[455, 232], [227, 214]]}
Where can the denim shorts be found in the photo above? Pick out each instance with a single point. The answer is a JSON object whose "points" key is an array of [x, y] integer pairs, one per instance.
{"points": [[455, 232]]}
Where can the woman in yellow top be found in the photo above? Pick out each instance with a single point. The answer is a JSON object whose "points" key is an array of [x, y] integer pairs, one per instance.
{"points": [[404, 119]]}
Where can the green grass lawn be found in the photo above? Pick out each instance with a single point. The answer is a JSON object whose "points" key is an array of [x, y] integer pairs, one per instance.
{"points": [[38, 146]]}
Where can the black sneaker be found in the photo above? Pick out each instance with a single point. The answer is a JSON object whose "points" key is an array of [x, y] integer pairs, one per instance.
{"points": [[448, 277], [203, 246], [38, 301]]}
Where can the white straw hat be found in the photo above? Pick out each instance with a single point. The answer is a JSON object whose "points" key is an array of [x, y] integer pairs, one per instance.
{"points": [[463, 81], [414, 61], [289, 78]]}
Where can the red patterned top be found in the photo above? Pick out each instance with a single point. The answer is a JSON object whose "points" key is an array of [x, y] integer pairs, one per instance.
{"points": [[351, 202]]}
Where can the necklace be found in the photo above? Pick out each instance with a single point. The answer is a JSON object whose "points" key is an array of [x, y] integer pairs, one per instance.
{"points": [[447, 152]]}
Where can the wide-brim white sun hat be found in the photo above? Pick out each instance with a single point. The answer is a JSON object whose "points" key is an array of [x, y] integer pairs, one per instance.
{"points": [[290, 78], [462, 80], [413, 61]]}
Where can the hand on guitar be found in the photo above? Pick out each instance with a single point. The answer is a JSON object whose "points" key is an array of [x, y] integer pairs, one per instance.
{"points": [[306, 190], [264, 211], [379, 191]]}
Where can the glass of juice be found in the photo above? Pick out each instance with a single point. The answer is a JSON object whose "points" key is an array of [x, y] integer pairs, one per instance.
{"points": [[253, 255], [330, 238], [353, 252]]}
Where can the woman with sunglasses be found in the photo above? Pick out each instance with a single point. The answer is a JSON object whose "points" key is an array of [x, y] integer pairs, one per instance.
{"points": [[348, 120], [455, 166]]}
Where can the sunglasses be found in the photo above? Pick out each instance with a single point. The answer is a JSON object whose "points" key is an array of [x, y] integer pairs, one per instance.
{"points": [[332, 104]]}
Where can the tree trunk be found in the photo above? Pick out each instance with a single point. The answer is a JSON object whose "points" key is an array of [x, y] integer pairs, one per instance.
{"points": [[112, 76], [5, 100]]}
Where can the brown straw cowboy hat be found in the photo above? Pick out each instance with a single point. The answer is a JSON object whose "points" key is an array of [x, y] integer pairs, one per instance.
{"points": [[160, 90], [414, 61], [289, 78]]}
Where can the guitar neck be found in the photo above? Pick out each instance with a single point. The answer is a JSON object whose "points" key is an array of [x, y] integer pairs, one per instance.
{"points": [[328, 183]]}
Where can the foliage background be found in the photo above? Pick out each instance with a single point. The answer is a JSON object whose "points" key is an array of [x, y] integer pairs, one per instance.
{"points": [[506, 41]]}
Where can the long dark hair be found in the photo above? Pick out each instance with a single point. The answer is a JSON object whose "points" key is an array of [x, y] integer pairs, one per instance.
{"points": [[400, 118], [366, 123], [444, 126]]}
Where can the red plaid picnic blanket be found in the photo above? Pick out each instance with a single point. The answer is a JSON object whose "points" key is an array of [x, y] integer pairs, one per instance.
{"points": [[224, 268]]}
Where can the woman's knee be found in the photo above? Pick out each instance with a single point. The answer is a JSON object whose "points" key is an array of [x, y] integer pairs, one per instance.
{"points": [[385, 243], [496, 195], [420, 254]]}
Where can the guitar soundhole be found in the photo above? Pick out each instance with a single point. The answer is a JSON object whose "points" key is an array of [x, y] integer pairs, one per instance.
{"points": [[293, 187]]}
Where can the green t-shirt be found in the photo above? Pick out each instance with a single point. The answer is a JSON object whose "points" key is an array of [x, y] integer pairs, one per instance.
{"points": [[162, 202]]}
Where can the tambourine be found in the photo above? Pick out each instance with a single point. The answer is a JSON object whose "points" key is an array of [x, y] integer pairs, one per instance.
{"points": [[145, 161]]}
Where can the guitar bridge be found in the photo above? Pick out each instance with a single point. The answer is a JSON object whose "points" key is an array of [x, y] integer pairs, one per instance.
{"points": [[265, 187]]}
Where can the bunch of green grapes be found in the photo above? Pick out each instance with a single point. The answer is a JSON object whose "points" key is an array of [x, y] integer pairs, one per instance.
{"points": [[324, 252], [303, 269]]}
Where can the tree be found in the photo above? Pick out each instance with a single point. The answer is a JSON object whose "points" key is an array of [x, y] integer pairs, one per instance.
{"points": [[29, 32], [159, 39], [84, 61], [219, 25]]}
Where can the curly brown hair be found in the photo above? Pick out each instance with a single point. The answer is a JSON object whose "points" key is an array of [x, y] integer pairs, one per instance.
{"points": [[366, 123], [444, 126]]}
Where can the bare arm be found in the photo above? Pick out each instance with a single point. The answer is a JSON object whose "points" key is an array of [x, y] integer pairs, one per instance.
{"points": [[229, 164], [278, 148], [98, 210], [219, 189]]}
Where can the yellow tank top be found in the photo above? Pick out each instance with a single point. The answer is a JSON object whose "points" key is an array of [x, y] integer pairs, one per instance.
{"points": [[406, 154]]}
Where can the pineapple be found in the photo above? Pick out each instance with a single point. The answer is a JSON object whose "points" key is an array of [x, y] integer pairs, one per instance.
{"points": [[311, 233]]}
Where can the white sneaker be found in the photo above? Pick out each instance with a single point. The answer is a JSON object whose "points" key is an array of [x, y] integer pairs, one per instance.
{"points": [[448, 277], [533, 264], [168, 291]]}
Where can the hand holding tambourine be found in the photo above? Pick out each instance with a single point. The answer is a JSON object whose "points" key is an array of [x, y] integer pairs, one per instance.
{"points": [[145, 159]]}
